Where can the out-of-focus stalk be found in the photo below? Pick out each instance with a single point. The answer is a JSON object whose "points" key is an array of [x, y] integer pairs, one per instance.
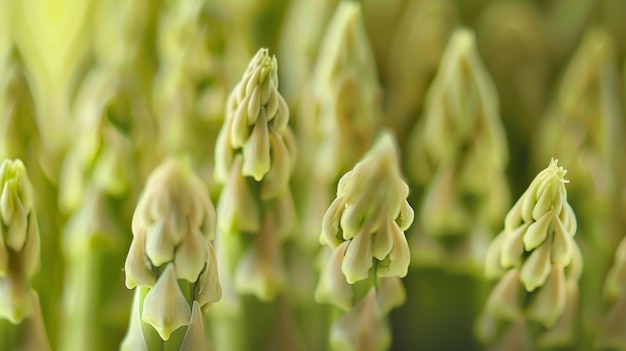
{"points": [[6, 39], [119, 29], [536, 251], [255, 157], [584, 128], [613, 334], [123, 48], [414, 54], [97, 185], [511, 39], [611, 15], [171, 262], [97, 170], [584, 122], [364, 227], [89, 236], [52, 37], [189, 89], [239, 19], [300, 40], [382, 20], [17, 131], [457, 144], [511, 36], [19, 261], [566, 24], [100, 153]]}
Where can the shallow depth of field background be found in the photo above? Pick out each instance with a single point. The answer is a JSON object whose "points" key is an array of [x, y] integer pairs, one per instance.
{"points": [[82, 80]]}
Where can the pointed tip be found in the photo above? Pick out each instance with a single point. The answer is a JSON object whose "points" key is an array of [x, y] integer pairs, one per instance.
{"points": [[349, 9], [557, 170], [386, 145], [464, 39]]}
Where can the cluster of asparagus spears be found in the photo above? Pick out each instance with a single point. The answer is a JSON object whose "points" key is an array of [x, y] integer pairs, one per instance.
{"points": [[312, 175]]}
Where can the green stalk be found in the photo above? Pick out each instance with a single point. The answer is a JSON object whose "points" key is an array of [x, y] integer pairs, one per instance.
{"points": [[424, 321], [313, 319], [362, 287], [248, 326], [9, 334], [28, 335], [81, 319], [33, 336], [151, 337], [227, 330], [86, 238]]}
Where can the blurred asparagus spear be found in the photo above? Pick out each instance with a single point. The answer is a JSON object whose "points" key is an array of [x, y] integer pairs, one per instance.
{"points": [[189, 86], [97, 171], [414, 54], [613, 335], [54, 46], [566, 24], [123, 48], [6, 38], [456, 144], [381, 19], [300, 40], [18, 133], [239, 19], [512, 39]]}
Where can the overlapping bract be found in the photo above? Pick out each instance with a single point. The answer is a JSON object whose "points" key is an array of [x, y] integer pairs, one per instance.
{"points": [[19, 242], [371, 212], [537, 250], [256, 122], [364, 227], [255, 157], [172, 228]]}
